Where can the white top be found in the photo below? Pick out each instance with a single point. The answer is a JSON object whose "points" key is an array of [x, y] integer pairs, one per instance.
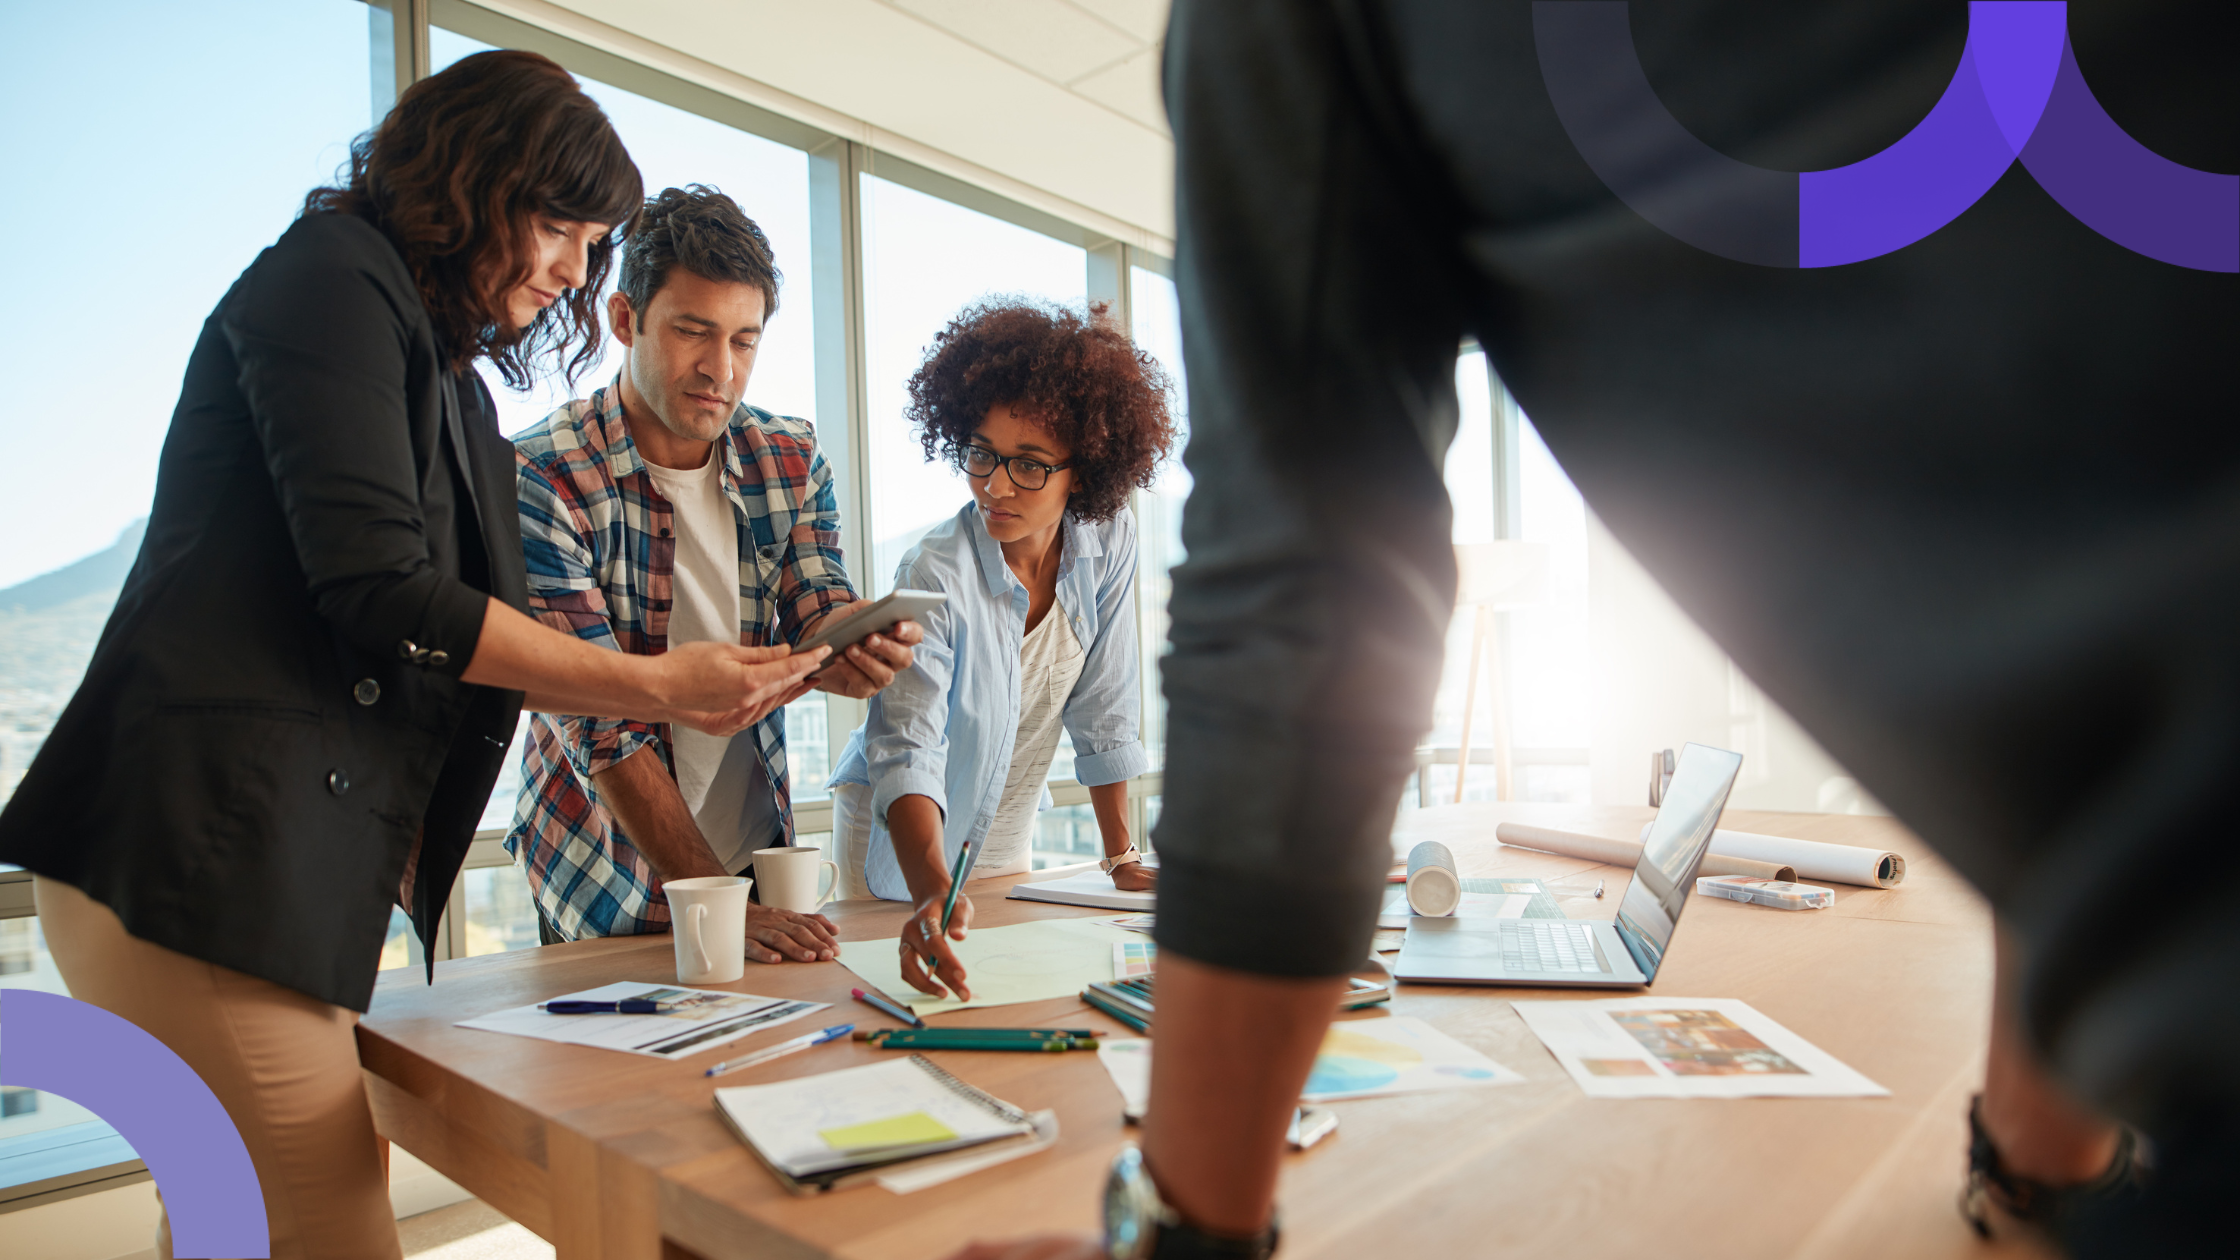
{"points": [[722, 779], [1050, 662]]}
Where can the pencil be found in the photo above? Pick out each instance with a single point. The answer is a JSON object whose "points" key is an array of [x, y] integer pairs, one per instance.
{"points": [[1033, 1034], [904, 1041], [880, 1004], [956, 881]]}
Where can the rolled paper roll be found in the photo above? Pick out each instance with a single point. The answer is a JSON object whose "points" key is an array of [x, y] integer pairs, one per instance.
{"points": [[1434, 889], [1569, 843], [1806, 859], [1720, 864]]}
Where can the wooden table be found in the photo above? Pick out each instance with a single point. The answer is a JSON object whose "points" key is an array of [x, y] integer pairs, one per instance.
{"points": [[611, 1156]]}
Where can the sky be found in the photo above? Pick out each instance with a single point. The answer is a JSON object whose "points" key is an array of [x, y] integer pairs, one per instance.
{"points": [[169, 142]]}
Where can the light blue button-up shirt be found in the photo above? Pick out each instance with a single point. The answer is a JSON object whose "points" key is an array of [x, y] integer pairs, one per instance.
{"points": [[944, 727]]}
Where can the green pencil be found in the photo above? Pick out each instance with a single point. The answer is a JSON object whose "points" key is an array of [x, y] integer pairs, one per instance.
{"points": [[1051, 1045], [956, 881], [1029, 1034]]}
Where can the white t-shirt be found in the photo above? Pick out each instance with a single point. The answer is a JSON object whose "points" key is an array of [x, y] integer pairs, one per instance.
{"points": [[723, 782], [1050, 661]]}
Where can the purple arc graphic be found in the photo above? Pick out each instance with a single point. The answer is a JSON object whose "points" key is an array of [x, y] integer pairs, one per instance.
{"points": [[113, 1068], [2016, 93]]}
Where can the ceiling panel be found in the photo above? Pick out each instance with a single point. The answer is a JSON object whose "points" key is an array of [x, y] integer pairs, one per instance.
{"points": [[900, 72], [1132, 87], [1051, 38]]}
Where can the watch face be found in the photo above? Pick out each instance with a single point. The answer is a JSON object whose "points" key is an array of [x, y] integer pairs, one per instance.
{"points": [[1129, 1208]]}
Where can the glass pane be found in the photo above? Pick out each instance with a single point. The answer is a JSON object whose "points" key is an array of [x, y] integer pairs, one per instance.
{"points": [[1552, 684], [770, 181], [1066, 835], [1158, 332], [1469, 474], [401, 948], [25, 964], [501, 915], [924, 259], [235, 109]]}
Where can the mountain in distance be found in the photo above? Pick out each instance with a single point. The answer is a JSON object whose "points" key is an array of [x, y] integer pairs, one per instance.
{"points": [[101, 571]]}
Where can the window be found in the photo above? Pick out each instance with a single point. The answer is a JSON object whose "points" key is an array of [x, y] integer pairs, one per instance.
{"points": [[770, 181], [1158, 333], [1551, 683], [924, 260], [236, 108]]}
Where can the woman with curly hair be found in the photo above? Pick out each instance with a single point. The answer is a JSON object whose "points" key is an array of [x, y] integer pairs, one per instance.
{"points": [[1053, 418]]}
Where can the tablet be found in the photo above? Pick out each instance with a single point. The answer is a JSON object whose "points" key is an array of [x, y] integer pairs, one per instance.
{"points": [[869, 619]]}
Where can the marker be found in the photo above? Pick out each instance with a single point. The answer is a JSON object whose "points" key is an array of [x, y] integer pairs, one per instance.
{"points": [[979, 1034], [624, 1006], [783, 1048], [956, 881], [884, 1007]]}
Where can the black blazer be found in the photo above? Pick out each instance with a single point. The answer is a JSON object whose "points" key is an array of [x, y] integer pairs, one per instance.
{"points": [[274, 710]]}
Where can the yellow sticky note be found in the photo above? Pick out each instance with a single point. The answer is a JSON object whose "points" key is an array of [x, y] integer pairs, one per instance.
{"points": [[904, 1130]]}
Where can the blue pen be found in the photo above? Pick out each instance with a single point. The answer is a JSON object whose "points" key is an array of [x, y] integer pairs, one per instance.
{"points": [[783, 1049]]}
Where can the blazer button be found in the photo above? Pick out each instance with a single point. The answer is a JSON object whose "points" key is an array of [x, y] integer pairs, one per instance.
{"points": [[338, 782], [366, 692], [439, 657], [406, 648]]}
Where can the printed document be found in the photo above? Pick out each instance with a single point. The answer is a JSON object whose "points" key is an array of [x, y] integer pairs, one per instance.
{"points": [[1686, 1048]]}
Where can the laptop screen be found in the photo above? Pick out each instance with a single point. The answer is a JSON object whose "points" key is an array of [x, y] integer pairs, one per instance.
{"points": [[1675, 846]]}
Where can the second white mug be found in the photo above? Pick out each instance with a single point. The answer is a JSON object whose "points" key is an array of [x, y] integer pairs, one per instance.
{"points": [[795, 877], [709, 919]]}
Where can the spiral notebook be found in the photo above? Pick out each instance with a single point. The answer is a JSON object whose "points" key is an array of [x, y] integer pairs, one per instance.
{"points": [[836, 1129]]}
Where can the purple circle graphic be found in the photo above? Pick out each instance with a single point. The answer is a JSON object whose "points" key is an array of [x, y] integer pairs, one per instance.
{"points": [[113, 1068], [2016, 94]]}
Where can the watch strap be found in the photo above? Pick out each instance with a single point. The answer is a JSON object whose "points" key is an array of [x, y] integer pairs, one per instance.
{"points": [[1177, 1241], [1118, 860]]}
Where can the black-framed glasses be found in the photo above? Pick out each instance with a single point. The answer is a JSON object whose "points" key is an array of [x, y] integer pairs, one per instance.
{"points": [[1027, 474]]}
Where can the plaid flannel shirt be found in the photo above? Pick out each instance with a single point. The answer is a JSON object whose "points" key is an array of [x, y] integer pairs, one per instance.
{"points": [[601, 558]]}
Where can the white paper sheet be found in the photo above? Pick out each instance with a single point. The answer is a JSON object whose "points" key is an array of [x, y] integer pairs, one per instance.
{"points": [[1026, 962], [1091, 888], [712, 1017], [1128, 1061], [1686, 1048]]}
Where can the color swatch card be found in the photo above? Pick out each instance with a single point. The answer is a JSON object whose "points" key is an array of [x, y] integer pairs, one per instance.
{"points": [[1686, 1048], [696, 1019], [1399, 1054], [1133, 959]]}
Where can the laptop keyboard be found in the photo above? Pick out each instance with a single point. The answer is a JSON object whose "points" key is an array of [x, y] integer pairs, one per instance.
{"points": [[1548, 945]]}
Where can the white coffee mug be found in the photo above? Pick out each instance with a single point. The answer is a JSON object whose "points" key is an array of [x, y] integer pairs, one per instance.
{"points": [[795, 877], [708, 917]]}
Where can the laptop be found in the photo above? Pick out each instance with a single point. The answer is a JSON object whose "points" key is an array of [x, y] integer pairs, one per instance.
{"points": [[1577, 953]]}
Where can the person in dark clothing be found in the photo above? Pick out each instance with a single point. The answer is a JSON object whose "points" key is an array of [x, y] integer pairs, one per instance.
{"points": [[298, 708], [1968, 507]]}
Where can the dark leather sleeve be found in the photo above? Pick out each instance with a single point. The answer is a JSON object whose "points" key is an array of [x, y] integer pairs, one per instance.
{"points": [[321, 337]]}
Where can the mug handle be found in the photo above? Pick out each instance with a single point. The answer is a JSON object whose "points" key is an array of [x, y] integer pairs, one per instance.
{"points": [[695, 915], [828, 884]]}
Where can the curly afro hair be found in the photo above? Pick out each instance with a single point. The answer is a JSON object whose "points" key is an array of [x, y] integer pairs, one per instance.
{"points": [[1079, 379]]}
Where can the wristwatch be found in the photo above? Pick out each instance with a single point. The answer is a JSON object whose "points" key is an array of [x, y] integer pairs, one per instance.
{"points": [[1125, 856], [1138, 1224]]}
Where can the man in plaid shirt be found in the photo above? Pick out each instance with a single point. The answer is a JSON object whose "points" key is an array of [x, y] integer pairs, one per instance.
{"points": [[663, 510]]}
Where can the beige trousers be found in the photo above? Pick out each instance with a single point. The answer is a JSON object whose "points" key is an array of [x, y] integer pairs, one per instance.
{"points": [[284, 1065]]}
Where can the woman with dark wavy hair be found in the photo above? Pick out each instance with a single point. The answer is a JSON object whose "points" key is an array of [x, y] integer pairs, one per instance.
{"points": [[1053, 418], [301, 701]]}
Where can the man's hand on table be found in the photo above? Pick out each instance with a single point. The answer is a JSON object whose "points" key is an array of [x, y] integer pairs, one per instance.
{"points": [[922, 935], [775, 935], [864, 669], [1035, 1247]]}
